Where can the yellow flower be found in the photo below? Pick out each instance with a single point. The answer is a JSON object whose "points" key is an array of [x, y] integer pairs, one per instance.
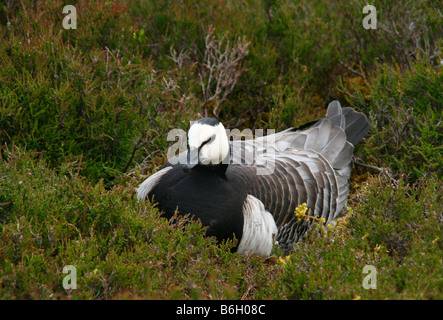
{"points": [[380, 248], [300, 211], [285, 260]]}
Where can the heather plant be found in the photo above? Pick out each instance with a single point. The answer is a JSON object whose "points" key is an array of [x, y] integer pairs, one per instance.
{"points": [[85, 114], [120, 248], [405, 107]]}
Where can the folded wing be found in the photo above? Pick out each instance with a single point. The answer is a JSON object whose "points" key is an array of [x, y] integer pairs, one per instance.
{"points": [[309, 166]]}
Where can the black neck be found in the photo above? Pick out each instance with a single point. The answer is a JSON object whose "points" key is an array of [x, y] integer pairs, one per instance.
{"points": [[219, 169]]}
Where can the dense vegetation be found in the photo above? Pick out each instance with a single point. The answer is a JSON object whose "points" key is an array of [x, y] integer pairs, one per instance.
{"points": [[84, 116]]}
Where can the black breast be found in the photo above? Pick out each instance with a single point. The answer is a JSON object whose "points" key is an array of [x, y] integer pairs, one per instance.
{"points": [[205, 193]]}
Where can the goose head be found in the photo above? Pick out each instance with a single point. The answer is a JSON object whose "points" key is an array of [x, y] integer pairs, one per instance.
{"points": [[208, 144]]}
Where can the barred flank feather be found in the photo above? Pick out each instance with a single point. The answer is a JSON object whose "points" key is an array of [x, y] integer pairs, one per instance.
{"points": [[312, 166]]}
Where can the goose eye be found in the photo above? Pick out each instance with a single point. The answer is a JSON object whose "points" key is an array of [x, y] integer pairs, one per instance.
{"points": [[206, 141]]}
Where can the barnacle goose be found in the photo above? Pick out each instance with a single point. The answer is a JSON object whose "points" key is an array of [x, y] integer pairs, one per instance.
{"points": [[214, 181]]}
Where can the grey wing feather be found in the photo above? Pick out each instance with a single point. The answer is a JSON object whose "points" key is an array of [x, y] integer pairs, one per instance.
{"points": [[312, 166]]}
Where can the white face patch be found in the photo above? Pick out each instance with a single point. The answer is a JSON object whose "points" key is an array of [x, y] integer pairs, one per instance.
{"points": [[215, 140]]}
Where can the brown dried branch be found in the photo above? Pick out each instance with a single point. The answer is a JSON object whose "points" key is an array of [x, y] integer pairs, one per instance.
{"points": [[382, 171], [221, 68]]}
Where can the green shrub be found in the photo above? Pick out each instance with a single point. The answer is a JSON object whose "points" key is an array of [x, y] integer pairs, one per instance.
{"points": [[120, 248], [398, 231], [84, 116], [111, 92], [405, 108], [96, 102]]}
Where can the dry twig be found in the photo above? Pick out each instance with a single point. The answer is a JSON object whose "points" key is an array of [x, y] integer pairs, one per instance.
{"points": [[221, 68], [382, 171]]}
